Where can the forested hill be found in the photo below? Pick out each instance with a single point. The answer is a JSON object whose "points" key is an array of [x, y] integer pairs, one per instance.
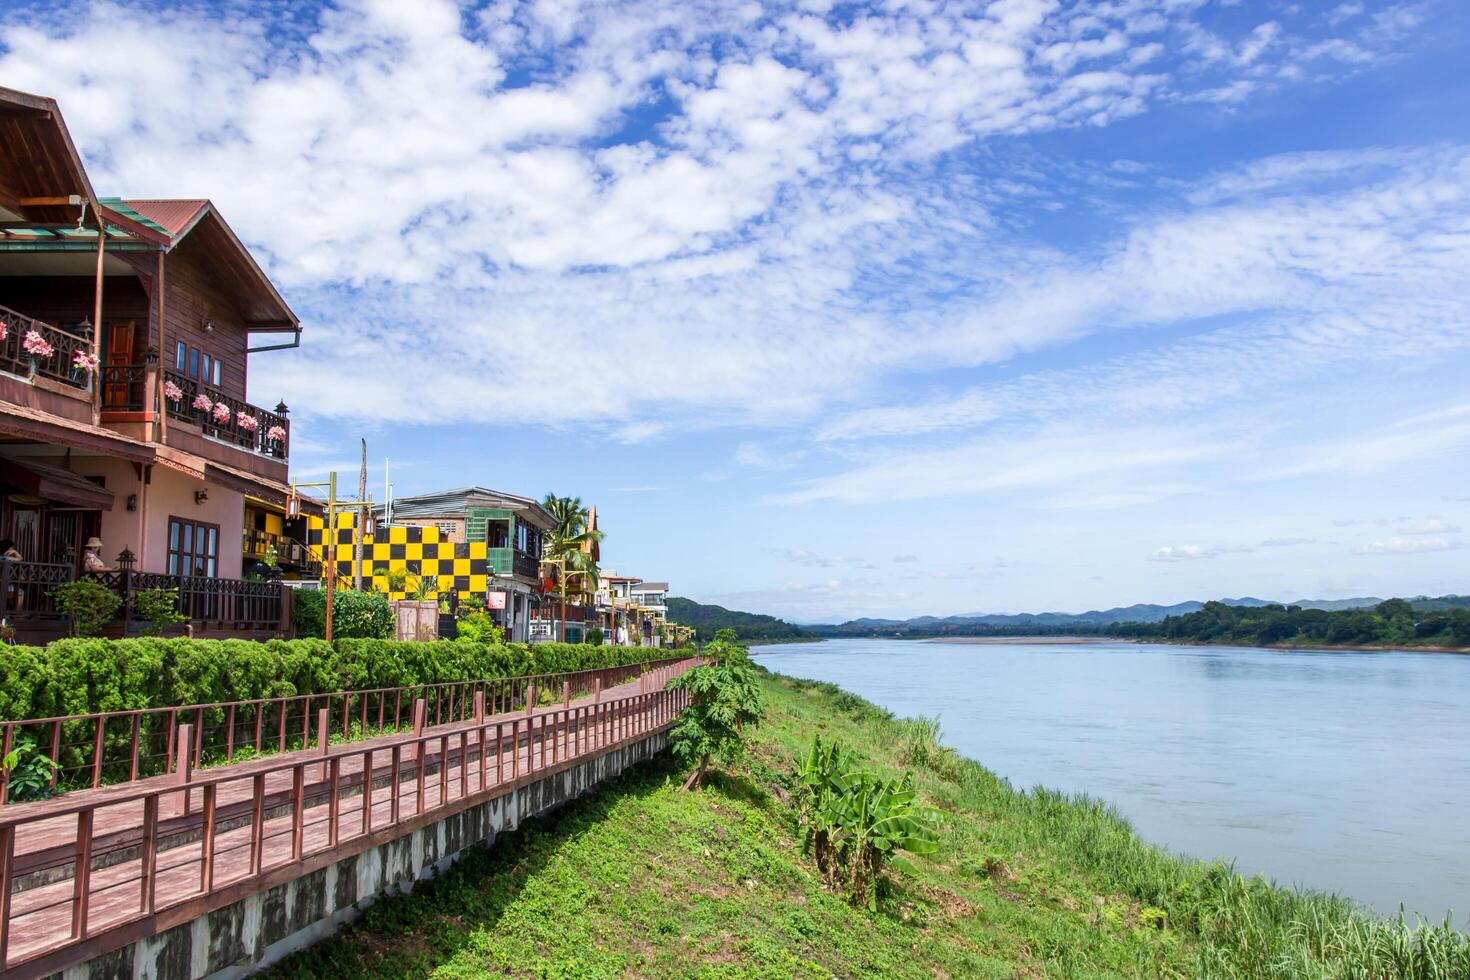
{"points": [[1441, 622], [750, 627]]}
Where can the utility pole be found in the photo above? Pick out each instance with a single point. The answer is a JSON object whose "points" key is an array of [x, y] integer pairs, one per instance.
{"points": [[329, 543], [361, 522], [330, 534]]}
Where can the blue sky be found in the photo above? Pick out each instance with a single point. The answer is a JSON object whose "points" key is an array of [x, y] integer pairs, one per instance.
{"points": [[842, 309]]}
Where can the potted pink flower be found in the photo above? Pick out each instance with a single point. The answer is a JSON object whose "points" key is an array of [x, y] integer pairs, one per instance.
{"points": [[276, 433], [221, 412], [4, 330], [36, 345], [246, 421], [84, 361], [173, 392], [202, 402]]}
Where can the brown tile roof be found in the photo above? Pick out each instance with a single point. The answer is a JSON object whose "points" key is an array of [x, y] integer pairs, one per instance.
{"points": [[173, 215]]}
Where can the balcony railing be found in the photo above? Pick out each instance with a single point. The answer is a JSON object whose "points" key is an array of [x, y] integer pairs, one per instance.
{"points": [[289, 551], [225, 601], [59, 365], [125, 387], [26, 587], [525, 565], [227, 419]]}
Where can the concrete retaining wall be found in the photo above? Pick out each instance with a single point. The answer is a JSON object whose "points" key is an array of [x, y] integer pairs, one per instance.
{"points": [[239, 939]]}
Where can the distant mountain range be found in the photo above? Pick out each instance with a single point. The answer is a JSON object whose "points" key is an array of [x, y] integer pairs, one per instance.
{"points": [[750, 627], [757, 628], [1053, 622]]}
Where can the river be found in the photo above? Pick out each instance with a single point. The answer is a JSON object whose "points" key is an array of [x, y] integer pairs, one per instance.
{"points": [[1340, 771]]}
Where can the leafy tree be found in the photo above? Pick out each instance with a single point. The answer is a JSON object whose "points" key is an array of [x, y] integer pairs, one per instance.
{"points": [[572, 545], [854, 822], [724, 698], [88, 604]]}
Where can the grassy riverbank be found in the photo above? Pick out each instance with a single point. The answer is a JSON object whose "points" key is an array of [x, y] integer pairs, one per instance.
{"points": [[639, 880]]}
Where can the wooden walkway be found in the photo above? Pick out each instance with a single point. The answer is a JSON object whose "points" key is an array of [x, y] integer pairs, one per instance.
{"points": [[78, 867]]}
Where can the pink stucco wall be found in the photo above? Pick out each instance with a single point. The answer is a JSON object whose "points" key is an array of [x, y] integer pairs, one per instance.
{"points": [[169, 494]]}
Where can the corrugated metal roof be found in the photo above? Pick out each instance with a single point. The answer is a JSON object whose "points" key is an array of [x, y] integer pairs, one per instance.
{"points": [[172, 216]]}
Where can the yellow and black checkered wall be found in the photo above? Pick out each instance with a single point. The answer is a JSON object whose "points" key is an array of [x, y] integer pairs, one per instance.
{"points": [[418, 552]]}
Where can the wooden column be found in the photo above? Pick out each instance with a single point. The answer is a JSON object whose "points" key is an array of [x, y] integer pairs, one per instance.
{"points": [[159, 400], [97, 322]]}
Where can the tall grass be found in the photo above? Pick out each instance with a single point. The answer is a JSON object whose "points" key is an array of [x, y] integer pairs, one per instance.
{"points": [[1243, 926]]}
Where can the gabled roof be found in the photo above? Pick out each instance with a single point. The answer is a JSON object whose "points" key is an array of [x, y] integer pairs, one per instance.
{"points": [[173, 217], [650, 587], [445, 503], [199, 221], [38, 161]]}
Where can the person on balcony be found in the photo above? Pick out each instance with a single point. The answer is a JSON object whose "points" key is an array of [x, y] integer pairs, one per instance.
{"points": [[92, 557], [8, 551]]}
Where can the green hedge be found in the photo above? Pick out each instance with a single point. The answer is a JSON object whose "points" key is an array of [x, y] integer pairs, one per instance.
{"points": [[354, 614], [79, 676]]}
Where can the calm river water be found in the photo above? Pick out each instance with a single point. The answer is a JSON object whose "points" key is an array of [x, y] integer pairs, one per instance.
{"points": [[1340, 771]]}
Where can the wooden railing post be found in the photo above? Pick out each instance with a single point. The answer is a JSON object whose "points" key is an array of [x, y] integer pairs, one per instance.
{"points": [[420, 711], [183, 766], [322, 718]]}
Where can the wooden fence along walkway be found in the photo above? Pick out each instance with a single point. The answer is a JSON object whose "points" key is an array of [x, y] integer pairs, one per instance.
{"points": [[86, 871], [101, 748]]}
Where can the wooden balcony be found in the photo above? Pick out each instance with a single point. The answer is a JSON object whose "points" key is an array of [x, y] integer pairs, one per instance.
{"points": [[289, 551], [35, 350], [225, 419], [26, 601]]}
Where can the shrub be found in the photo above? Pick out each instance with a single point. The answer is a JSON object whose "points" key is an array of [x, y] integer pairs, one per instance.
{"points": [[478, 627], [28, 772], [594, 637], [364, 615], [89, 605], [80, 676], [159, 608], [853, 821]]}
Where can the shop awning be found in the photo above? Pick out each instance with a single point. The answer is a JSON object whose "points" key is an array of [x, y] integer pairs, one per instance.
{"points": [[53, 483]]}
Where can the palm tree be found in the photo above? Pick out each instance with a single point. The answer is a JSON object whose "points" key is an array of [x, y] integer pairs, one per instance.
{"points": [[572, 548]]}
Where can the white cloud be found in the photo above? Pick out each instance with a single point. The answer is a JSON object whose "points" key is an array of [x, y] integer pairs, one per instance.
{"points": [[1429, 525], [494, 191], [813, 560], [1055, 459], [1182, 552], [1408, 546], [1193, 552]]}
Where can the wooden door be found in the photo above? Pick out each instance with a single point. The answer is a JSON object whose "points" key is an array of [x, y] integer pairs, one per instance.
{"points": [[120, 386]]}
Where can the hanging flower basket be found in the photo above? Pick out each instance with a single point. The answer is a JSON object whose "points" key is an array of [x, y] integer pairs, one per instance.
{"points": [[247, 422], [86, 362], [203, 403], [221, 412], [35, 345], [173, 392], [276, 433]]}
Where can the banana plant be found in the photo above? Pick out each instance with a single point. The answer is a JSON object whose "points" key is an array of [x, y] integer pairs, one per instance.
{"points": [[854, 821]]}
